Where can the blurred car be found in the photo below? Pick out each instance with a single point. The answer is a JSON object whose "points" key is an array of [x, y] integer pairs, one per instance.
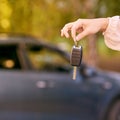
{"points": [[36, 84]]}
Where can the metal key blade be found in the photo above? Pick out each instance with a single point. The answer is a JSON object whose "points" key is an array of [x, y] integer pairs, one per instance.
{"points": [[74, 72]]}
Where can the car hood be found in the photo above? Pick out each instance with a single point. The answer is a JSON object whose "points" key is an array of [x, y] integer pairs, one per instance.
{"points": [[114, 75]]}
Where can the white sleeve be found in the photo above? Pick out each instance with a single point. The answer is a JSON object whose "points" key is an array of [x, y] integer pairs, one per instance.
{"points": [[112, 33]]}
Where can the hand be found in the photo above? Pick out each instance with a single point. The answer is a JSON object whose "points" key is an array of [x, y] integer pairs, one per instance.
{"points": [[84, 27]]}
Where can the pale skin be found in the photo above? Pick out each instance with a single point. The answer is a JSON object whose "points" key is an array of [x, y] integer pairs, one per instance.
{"points": [[84, 27]]}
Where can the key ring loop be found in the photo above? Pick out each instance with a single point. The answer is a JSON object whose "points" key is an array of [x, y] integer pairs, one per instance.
{"points": [[76, 43]]}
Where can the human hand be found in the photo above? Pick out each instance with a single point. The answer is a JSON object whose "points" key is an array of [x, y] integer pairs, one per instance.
{"points": [[84, 27]]}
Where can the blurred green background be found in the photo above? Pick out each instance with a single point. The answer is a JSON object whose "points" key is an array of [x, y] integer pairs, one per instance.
{"points": [[45, 18]]}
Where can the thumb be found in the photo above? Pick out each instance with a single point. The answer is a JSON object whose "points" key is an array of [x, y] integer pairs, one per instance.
{"points": [[82, 35]]}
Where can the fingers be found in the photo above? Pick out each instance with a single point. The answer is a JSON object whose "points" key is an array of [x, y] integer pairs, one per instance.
{"points": [[65, 33], [75, 27], [73, 32], [66, 29]]}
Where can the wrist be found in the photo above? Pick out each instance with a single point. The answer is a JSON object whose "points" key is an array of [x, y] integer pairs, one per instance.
{"points": [[105, 22]]}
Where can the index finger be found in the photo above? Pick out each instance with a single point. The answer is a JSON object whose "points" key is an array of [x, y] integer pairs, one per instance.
{"points": [[74, 32], [77, 26], [66, 29]]}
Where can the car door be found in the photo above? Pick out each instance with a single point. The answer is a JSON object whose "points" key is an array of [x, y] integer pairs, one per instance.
{"points": [[45, 92]]}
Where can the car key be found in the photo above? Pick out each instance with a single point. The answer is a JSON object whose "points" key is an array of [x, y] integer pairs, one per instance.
{"points": [[76, 58]]}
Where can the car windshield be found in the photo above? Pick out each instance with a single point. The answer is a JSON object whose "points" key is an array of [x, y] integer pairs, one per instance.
{"points": [[48, 60]]}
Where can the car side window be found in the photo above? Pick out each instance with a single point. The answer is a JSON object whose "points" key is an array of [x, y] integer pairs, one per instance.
{"points": [[48, 60], [8, 57]]}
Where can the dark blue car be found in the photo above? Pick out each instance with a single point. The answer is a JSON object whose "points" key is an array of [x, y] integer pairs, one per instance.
{"points": [[36, 84]]}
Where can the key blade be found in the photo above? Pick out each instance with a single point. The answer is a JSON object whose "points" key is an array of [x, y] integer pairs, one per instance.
{"points": [[74, 72]]}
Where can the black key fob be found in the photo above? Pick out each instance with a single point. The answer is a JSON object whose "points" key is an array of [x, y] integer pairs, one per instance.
{"points": [[76, 56]]}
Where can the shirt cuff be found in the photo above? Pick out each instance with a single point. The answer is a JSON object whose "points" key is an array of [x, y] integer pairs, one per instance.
{"points": [[112, 33]]}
